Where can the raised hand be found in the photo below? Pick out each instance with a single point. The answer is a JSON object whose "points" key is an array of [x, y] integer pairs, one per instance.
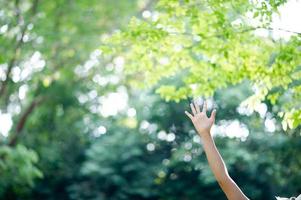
{"points": [[200, 120], [203, 125]]}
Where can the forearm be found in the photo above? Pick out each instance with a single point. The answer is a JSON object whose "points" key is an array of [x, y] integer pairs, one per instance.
{"points": [[214, 158], [219, 169]]}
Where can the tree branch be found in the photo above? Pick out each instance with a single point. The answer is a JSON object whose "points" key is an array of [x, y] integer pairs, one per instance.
{"points": [[18, 45], [23, 119], [12, 63], [243, 31]]}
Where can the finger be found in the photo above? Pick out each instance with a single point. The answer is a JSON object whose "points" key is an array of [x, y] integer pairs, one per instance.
{"points": [[197, 106], [212, 117], [192, 108], [188, 114], [204, 107]]}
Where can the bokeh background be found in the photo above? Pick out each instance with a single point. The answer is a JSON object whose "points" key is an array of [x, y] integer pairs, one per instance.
{"points": [[93, 94]]}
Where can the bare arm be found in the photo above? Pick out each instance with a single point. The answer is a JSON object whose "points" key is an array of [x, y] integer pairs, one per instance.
{"points": [[203, 125]]}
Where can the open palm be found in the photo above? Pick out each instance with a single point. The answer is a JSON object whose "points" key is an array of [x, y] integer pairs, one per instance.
{"points": [[199, 118]]}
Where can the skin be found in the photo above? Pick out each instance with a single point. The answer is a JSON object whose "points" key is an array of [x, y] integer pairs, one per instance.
{"points": [[203, 126]]}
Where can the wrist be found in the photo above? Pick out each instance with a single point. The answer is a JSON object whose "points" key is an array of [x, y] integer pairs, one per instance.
{"points": [[204, 134]]}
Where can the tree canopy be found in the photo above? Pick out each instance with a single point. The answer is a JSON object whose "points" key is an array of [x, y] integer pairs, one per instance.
{"points": [[192, 48]]}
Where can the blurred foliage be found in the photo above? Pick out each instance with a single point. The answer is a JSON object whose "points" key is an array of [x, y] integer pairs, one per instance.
{"points": [[125, 162], [17, 169], [211, 45], [58, 88]]}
